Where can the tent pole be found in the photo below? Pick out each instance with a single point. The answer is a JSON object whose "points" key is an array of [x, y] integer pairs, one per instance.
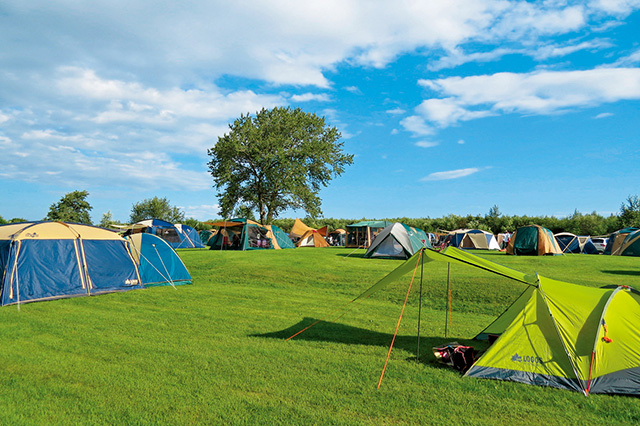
{"points": [[395, 334], [420, 307], [448, 310]]}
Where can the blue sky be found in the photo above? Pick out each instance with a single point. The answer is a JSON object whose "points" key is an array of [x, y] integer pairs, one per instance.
{"points": [[450, 107]]}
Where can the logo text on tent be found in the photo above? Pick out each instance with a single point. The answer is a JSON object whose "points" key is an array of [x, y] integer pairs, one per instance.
{"points": [[527, 359], [32, 235], [131, 282]]}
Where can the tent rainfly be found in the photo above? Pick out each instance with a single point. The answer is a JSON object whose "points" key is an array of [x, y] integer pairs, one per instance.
{"points": [[570, 243], [279, 238], [177, 236], [398, 241], [158, 263], [52, 260], [472, 239], [305, 236], [246, 234], [616, 239], [630, 245], [533, 240]]}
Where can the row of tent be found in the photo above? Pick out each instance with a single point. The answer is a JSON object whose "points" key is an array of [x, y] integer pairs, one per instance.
{"points": [[51, 260], [245, 234], [538, 240], [176, 235]]}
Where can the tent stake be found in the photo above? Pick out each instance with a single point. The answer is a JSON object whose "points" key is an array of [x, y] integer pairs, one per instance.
{"points": [[420, 308]]}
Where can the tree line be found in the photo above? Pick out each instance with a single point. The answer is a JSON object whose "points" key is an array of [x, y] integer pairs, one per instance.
{"points": [[74, 207]]}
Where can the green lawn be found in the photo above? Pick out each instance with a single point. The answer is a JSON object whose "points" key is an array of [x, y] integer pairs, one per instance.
{"points": [[214, 352]]}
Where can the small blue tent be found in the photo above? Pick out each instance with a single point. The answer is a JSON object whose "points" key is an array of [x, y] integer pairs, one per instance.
{"points": [[177, 236], [570, 243], [51, 260], [158, 263]]}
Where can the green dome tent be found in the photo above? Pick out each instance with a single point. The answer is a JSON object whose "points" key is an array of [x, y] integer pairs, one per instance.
{"points": [[533, 240], [616, 239], [631, 244], [398, 241]]}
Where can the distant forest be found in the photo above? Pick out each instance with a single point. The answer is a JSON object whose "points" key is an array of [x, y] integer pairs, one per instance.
{"points": [[578, 223], [495, 222]]}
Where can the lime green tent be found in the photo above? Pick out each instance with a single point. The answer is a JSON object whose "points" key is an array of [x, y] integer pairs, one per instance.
{"points": [[556, 333], [567, 336]]}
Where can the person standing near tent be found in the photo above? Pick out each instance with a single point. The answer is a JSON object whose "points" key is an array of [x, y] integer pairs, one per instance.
{"points": [[505, 240]]}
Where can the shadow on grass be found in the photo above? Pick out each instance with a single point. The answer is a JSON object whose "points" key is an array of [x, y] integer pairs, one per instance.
{"points": [[634, 273], [346, 334]]}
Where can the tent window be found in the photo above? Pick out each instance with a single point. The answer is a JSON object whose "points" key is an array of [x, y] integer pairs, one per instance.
{"points": [[258, 237], [170, 235]]}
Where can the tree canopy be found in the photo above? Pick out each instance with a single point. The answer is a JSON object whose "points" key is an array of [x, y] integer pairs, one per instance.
{"points": [[72, 207], [630, 212], [156, 208], [278, 159]]}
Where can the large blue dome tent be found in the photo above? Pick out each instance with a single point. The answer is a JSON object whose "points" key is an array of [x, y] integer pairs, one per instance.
{"points": [[51, 260]]}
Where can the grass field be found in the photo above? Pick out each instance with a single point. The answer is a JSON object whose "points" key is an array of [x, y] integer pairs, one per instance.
{"points": [[214, 352]]}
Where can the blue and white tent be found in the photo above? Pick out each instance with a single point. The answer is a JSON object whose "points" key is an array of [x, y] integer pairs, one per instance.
{"points": [[177, 236], [472, 239], [571, 243], [158, 263], [51, 260]]}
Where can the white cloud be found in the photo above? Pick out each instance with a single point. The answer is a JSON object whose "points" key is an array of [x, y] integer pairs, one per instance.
{"points": [[426, 144], [447, 111], [539, 51], [540, 92], [416, 125], [461, 142], [603, 115], [306, 97], [451, 174], [395, 111], [628, 61], [281, 42], [615, 7]]}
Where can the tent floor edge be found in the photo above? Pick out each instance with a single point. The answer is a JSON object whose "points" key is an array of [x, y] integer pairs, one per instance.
{"points": [[481, 372]]}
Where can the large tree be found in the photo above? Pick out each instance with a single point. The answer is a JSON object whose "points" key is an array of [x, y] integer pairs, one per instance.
{"points": [[278, 159], [156, 208], [72, 207], [630, 211]]}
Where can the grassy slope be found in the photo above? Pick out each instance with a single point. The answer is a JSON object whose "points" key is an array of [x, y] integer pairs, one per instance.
{"points": [[214, 353]]}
